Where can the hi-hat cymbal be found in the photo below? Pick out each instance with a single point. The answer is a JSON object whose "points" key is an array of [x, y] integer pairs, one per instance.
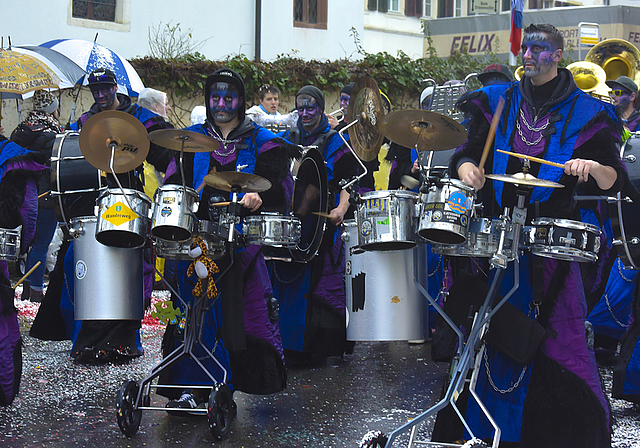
{"points": [[117, 129], [524, 179], [243, 182], [426, 130], [175, 138], [365, 105]]}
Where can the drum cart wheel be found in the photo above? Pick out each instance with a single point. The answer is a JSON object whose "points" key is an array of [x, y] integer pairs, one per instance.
{"points": [[127, 414], [221, 411]]}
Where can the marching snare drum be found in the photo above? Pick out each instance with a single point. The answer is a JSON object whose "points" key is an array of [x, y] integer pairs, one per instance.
{"points": [[271, 229], [383, 301], [75, 184], [108, 281], [563, 239], [213, 236], [386, 220], [446, 211], [119, 225], [10, 241], [174, 212], [483, 241]]}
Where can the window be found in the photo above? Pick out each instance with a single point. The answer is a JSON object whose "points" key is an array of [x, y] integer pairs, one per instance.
{"points": [[445, 8], [426, 8], [310, 14], [394, 5], [458, 8], [378, 5], [413, 8], [104, 10]]}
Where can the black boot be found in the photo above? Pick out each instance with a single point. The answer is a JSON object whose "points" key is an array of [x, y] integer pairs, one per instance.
{"points": [[26, 290]]}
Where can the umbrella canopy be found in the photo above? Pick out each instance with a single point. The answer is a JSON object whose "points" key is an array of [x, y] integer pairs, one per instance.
{"points": [[21, 73], [91, 55], [68, 71]]}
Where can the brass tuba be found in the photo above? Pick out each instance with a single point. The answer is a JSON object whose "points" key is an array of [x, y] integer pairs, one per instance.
{"points": [[519, 72], [590, 78], [617, 57]]}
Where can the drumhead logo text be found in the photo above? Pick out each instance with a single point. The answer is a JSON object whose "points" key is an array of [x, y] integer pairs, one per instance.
{"points": [[119, 214]]}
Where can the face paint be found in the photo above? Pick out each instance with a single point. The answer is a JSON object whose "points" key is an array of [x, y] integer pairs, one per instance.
{"points": [[308, 112], [622, 101], [537, 54], [344, 100], [104, 95], [224, 102]]}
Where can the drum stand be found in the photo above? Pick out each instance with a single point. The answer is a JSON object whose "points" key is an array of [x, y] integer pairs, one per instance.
{"points": [[469, 355]]}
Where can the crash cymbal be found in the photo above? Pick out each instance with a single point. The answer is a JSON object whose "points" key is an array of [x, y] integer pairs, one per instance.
{"points": [[524, 179], [409, 182], [430, 131], [174, 138], [365, 105], [243, 182], [120, 129]]}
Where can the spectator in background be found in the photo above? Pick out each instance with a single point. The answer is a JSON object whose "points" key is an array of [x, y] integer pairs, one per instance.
{"points": [[496, 74], [198, 115]]}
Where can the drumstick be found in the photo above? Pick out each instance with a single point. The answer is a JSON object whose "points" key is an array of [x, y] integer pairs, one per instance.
{"points": [[534, 159], [323, 214], [43, 194], [201, 186], [27, 274], [222, 204], [492, 133]]}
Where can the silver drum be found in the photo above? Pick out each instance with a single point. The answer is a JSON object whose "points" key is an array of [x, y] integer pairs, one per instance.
{"points": [[446, 211], [213, 236], [563, 239], [386, 220], [108, 281], [383, 301], [271, 229], [174, 212], [483, 241], [10, 241], [119, 225]]}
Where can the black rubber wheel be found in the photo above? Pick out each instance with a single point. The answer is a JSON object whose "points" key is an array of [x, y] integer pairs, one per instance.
{"points": [[127, 415], [221, 411]]}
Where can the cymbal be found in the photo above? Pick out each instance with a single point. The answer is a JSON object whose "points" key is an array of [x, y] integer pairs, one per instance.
{"points": [[409, 182], [120, 129], [243, 182], [365, 105], [524, 179], [429, 131], [174, 138]]}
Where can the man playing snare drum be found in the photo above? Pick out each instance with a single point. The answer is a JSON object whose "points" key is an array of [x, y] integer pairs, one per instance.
{"points": [[557, 399]]}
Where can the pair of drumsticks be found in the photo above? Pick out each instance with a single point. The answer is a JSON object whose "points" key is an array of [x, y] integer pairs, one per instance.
{"points": [[492, 133]]}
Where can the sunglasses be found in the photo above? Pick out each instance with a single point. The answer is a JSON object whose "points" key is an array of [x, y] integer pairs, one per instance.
{"points": [[618, 92]]}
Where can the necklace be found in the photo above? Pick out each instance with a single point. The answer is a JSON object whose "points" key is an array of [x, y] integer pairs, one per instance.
{"points": [[531, 128]]}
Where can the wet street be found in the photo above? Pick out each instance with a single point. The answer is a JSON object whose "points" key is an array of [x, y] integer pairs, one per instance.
{"points": [[379, 387]]}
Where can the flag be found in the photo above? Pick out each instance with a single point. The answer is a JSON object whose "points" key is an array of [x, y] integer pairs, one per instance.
{"points": [[515, 36]]}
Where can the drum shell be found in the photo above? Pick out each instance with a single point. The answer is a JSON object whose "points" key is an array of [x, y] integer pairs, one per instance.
{"points": [[214, 237], [445, 211], [483, 241], [563, 239], [272, 230], [174, 212], [383, 301], [386, 220], [10, 242], [75, 184], [108, 283], [117, 226]]}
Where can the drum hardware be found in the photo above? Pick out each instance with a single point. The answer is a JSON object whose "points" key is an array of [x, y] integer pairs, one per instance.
{"points": [[271, 229], [10, 242], [364, 114], [563, 239], [338, 114]]}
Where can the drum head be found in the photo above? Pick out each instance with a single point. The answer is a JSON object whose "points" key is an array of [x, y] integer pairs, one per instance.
{"points": [[625, 216], [309, 203]]}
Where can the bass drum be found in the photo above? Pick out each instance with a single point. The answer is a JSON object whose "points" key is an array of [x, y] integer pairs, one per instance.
{"points": [[625, 215], [75, 184], [309, 204]]}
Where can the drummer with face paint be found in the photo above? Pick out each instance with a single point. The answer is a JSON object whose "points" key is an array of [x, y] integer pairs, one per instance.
{"points": [[557, 399], [312, 295], [242, 322]]}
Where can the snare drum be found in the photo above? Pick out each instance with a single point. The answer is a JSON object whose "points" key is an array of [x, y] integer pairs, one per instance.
{"points": [[483, 241], [213, 236], [174, 209], [386, 220], [119, 225], [75, 184], [563, 239], [10, 240], [271, 229], [446, 211]]}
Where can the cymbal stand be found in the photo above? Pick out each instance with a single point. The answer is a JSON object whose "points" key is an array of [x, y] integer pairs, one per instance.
{"points": [[113, 145], [365, 171]]}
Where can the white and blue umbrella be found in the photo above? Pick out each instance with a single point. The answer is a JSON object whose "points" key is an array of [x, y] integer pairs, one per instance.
{"points": [[68, 71], [91, 55]]}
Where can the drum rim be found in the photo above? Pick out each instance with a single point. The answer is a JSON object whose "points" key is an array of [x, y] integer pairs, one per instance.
{"points": [[567, 224], [177, 187], [127, 192], [388, 193]]}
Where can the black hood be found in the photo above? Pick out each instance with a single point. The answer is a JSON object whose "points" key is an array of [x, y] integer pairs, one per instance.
{"points": [[565, 87], [232, 77]]}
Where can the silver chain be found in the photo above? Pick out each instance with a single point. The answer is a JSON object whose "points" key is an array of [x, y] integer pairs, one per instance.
{"points": [[619, 263], [524, 139], [531, 128], [486, 366], [436, 269], [224, 143], [606, 298]]}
